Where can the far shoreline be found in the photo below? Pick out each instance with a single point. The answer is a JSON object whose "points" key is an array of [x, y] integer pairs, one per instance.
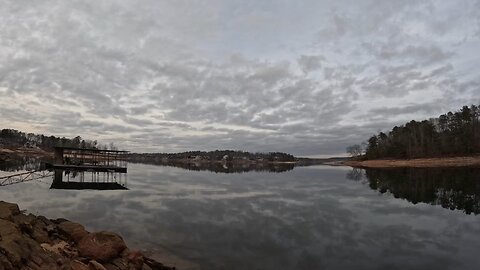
{"points": [[462, 161], [433, 162]]}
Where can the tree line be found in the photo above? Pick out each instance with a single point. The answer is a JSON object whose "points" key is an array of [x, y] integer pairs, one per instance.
{"points": [[15, 138], [217, 155], [451, 134]]}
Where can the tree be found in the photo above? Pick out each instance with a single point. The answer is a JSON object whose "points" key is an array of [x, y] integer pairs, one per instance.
{"points": [[453, 133], [355, 150]]}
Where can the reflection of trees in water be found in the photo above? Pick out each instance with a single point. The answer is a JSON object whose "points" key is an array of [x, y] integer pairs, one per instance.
{"points": [[452, 188], [227, 167], [355, 174], [19, 163]]}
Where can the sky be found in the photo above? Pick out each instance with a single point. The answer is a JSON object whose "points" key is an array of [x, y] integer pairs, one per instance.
{"points": [[305, 77]]}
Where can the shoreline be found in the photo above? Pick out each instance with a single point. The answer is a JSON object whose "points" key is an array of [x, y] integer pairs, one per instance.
{"points": [[23, 151], [28, 241], [464, 161]]}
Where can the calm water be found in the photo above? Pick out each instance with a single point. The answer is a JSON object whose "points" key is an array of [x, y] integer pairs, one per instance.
{"points": [[305, 218]]}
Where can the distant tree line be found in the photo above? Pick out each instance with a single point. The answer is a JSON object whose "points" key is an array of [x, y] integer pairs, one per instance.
{"points": [[453, 133], [217, 155], [15, 138]]}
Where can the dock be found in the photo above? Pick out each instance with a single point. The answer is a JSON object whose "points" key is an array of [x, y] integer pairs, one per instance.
{"points": [[71, 166], [95, 160], [79, 169]]}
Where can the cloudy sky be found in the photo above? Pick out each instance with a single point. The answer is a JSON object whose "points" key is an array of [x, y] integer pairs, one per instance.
{"points": [[307, 77]]}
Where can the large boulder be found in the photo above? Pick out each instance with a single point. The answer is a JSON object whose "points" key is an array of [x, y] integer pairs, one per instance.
{"points": [[72, 230], [101, 246], [8, 210]]}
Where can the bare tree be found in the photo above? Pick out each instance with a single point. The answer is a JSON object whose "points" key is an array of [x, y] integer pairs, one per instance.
{"points": [[354, 150]]}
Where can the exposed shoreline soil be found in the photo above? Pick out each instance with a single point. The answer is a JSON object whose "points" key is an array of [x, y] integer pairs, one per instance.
{"points": [[469, 161], [35, 242], [24, 151]]}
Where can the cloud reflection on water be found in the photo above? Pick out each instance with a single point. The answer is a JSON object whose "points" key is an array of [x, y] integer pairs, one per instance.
{"points": [[308, 218]]}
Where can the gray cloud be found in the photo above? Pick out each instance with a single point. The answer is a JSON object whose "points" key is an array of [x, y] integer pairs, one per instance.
{"points": [[310, 62], [307, 78]]}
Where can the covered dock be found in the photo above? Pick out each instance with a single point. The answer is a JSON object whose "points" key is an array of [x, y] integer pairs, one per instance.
{"points": [[96, 160]]}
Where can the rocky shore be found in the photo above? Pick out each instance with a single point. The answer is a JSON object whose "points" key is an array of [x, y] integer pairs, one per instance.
{"points": [[35, 242]]}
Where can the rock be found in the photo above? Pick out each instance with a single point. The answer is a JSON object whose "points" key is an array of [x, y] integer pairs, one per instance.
{"points": [[36, 260], [110, 266], [78, 265], [101, 246], [61, 248], [156, 265], [135, 259], [72, 230], [8, 210], [35, 242], [94, 265], [46, 221], [23, 219], [5, 263], [146, 267], [21, 251], [13, 244], [120, 263], [24, 222], [40, 232]]}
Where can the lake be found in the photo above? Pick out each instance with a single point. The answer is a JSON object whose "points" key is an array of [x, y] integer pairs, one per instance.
{"points": [[315, 217]]}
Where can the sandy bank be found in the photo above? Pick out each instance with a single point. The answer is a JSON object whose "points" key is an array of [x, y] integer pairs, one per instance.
{"points": [[471, 161]]}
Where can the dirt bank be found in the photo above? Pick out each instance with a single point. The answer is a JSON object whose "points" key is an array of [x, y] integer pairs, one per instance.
{"points": [[471, 161], [35, 242], [24, 151]]}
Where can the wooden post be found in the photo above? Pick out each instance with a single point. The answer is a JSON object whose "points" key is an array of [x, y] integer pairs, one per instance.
{"points": [[58, 156]]}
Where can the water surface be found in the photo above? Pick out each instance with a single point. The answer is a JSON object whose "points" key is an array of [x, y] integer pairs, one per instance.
{"points": [[306, 218]]}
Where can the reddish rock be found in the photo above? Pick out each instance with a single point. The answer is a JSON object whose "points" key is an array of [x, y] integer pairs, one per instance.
{"points": [[135, 259], [101, 246], [72, 230]]}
